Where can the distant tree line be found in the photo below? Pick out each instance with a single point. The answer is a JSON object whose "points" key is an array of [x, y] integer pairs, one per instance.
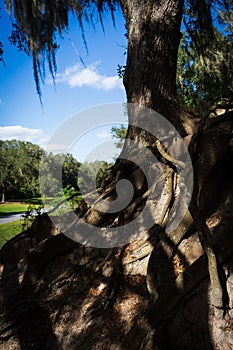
{"points": [[21, 161]]}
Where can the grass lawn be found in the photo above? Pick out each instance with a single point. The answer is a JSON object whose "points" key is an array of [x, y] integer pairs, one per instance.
{"points": [[12, 208], [9, 230]]}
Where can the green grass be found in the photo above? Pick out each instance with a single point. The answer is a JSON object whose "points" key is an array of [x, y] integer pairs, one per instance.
{"points": [[9, 230], [11, 208]]}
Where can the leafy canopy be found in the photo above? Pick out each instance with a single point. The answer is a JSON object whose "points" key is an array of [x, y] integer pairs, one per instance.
{"points": [[19, 168], [205, 60]]}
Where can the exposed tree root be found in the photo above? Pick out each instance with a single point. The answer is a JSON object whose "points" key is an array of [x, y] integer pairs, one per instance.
{"points": [[186, 284]]}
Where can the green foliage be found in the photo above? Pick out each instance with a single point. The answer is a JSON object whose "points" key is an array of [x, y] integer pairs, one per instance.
{"points": [[21, 163], [70, 173], [91, 175], [205, 59], [64, 201], [73, 197], [33, 210], [50, 172], [119, 133], [19, 169], [52, 179], [89, 178], [203, 84]]}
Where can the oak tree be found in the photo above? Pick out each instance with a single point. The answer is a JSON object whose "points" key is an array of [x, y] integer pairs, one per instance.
{"points": [[154, 34]]}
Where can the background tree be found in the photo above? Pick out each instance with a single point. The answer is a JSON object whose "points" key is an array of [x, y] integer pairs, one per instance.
{"points": [[70, 172], [91, 175], [50, 170], [204, 77], [119, 133], [19, 169]]}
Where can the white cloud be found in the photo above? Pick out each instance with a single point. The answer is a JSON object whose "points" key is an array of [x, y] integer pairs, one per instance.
{"points": [[1, 102], [76, 76], [19, 132], [36, 136]]}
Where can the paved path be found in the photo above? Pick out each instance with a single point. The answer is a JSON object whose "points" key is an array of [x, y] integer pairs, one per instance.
{"points": [[9, 218]]}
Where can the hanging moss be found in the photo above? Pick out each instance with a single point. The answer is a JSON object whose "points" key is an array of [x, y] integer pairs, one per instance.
{"points": [[38, 23]]}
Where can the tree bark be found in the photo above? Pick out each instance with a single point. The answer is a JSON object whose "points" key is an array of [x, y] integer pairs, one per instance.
{"points": [[153, 41], [3, 194]]}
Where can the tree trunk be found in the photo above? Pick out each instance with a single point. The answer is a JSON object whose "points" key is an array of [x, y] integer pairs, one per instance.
{"points": [[72, 296], [3, 193], [150, 81], [153, 41]]}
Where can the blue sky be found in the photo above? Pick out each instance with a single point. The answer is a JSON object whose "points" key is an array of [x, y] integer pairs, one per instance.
{"points": [[80, 83]]}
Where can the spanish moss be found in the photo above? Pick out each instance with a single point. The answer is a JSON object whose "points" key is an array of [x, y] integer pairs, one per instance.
{"points": [[38, 23]]}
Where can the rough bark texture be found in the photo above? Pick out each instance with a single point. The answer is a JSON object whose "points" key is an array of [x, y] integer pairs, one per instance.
{"points": [[153, 41]]}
